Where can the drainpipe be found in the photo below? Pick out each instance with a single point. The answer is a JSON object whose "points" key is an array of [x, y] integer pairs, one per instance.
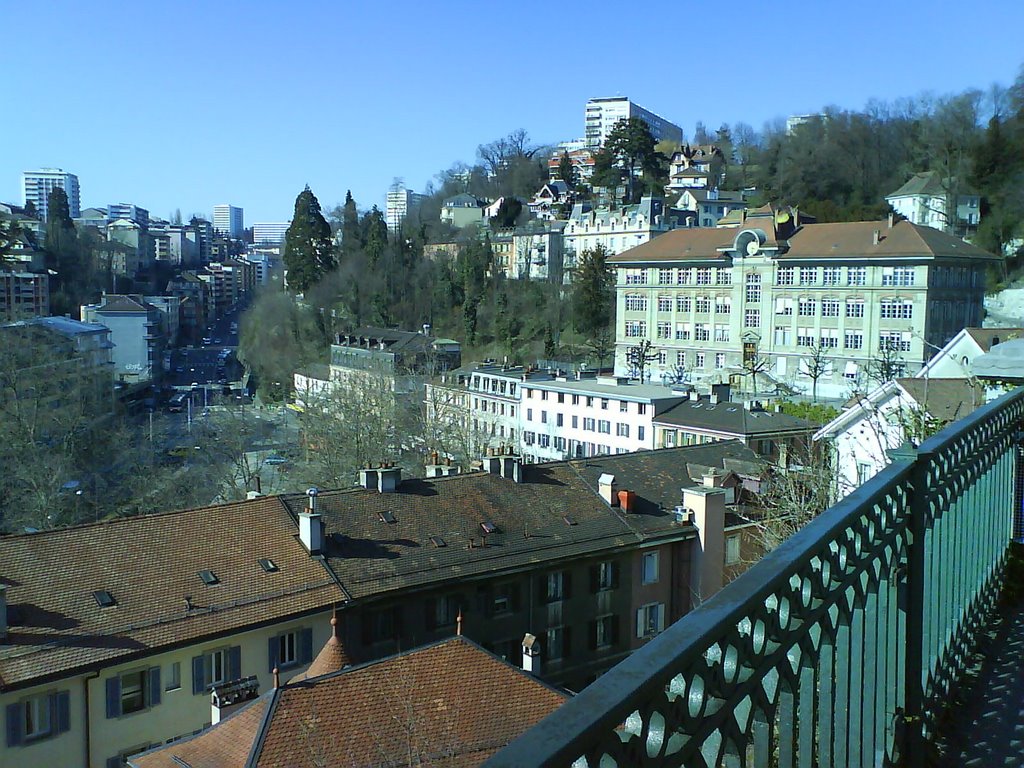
{"points": [[88, 727]]}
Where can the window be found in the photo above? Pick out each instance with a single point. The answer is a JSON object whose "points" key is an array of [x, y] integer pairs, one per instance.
{"points": [[529, 414], [721, 333], [604, 427], [38, 717], [899, 309], [856, 275], [683, 304], [555, 586], [784, 276], [561, 397], [606, 630], [641, 408], [543, 440], [559, 420], [855, 307], [899, 341], [506, 598], [703, 304], [684, 276], [783, 335], [807, 307], [829, 338], [216, 667], [589, 425], [753, 288], [808, 275], [664, 277], [133, 691], [543, 417], [621, 430], [830, 275], [732, 549], [805, 337], [604, 575], [698, 360], [636, 276], [650, 620], [575, 421], [174, 677], [664, 330], [636, 329], [752, 318], [719, 360], [701, 332], [557, 643], [897, 276], [830, 308], [723, 276], [640, 433], [636, 302], [853, 340], [290, 649], [723, 305], [623, 406], [664, 303], [650, 568], [864, 472], [704, 276]]}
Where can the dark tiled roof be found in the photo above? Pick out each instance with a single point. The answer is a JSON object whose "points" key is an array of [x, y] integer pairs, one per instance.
{"points": [[372, 556], [150, 564], [449, 704], [731, 418]]}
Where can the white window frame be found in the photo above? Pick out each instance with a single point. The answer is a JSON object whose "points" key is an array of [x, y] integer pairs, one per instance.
{"points": [[649, 568]]}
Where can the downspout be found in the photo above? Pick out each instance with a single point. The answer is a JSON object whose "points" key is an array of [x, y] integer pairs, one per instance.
{"points": [[88, 708]]}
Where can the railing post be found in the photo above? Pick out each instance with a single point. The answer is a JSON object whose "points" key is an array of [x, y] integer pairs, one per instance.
{"points": [[913, 747], [1018, 486]]}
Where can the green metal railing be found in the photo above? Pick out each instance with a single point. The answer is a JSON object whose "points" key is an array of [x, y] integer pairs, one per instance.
{"points": [[839, 648]]}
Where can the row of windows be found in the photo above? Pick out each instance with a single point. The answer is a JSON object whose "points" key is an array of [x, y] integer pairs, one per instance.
{"points": [[601, 426], [589, 400], [891, 276]]}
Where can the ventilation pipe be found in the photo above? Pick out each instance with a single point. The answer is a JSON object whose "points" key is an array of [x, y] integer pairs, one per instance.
{"points": [[531, 655]]}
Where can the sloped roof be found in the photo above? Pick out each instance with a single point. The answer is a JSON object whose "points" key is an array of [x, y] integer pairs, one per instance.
{"points": [[731, 418], [124, 303], [984, 337], [926, 184], [332, 657], [149, 564], [1004, 361], [449, 704], [945, 399], [811, 241]]}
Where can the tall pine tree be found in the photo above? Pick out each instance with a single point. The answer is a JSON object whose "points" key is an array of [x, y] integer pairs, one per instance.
{"points": [[63, 254], [351, 234], [308, 251]]}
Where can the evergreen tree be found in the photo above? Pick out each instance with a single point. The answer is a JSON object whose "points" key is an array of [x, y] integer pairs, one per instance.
{"points": [[628, 155], [375, 235], [593, 296], [351, 234], [567, 171], [62, 252], [308, 252], [507, 213]]}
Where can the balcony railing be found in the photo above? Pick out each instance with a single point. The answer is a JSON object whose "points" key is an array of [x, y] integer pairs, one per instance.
{"points": [[839, 648]]}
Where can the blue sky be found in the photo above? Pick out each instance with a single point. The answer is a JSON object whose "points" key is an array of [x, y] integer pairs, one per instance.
{"points": [[189, 104]]}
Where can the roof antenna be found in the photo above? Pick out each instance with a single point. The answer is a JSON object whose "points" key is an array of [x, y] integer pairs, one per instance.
{"points": [[458, 624]]}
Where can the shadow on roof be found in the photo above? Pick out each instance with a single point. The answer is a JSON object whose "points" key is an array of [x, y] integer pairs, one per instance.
{"points": [[372, 549]]}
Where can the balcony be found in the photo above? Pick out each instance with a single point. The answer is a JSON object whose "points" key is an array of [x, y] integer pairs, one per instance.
{"points": [[853, 644]]}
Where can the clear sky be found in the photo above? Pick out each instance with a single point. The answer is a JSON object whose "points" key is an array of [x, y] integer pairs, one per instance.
{"points": [[188, 104]]}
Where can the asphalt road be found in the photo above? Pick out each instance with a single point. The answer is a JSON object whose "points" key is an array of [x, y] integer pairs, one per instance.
{"points": [[204, 365]]}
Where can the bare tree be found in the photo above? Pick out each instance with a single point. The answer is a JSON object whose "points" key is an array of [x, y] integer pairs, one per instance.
{"points": [[815, 367], [794, 495], [639, 359]]}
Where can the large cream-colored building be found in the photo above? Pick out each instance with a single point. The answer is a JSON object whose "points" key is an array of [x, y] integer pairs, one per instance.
{"points": [[822, 306]]}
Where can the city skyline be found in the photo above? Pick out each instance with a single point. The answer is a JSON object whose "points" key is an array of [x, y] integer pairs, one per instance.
{"points": [[364, 118]]}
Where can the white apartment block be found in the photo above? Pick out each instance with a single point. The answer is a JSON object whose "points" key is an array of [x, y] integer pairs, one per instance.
{"points": [[923, 200], [228, 220], [601, 115], [36, 187], [715, 303], [400, 204], [616, 229], [269, 232]]}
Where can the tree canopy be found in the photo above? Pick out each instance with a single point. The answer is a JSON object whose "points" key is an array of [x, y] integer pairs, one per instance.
{"points": [[308, 249]]}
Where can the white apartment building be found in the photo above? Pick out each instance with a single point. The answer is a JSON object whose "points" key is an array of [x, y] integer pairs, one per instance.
{"points": [[923, 200], [36, 187], [400, 203], [717, 303], [601, 115], [228, 220], [616, 229], [269, 232]]}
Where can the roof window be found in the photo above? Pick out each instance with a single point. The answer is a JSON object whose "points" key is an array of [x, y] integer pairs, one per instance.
{"points": [[268, 565], [103, 598], [438, 542], [488, 527], [569, 520], [387, 516], [209, 578]]}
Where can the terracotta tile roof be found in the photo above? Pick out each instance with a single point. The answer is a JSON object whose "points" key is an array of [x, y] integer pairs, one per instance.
{"points": [[372, 556], [227, 745], [332, 657], [449, 704], [149, 564], [811, 241], [984, 337]]}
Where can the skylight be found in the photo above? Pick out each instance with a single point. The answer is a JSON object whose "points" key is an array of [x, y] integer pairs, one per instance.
{"points": [[488, 527], [103, 598], [268, 565], [387, 516], [569, 520], [209, 578], [438, 542]]}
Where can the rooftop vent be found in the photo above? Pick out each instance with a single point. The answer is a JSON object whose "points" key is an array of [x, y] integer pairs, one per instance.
{"points": [[488, 527], [268, 565], [103, 598], [438, 542], [387, 516], [209, 578]]}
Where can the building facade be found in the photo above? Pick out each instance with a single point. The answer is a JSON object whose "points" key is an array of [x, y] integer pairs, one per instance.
{"points": [[23, 294], [770, 306], [601, 115], [615, 229], [136, 332], [36, 187], [269, 232], [400, 203], [228, 220], [924, 200]]}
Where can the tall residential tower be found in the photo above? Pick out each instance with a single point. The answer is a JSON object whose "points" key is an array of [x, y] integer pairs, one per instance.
{"points": [[227, 220], [37, 185]]}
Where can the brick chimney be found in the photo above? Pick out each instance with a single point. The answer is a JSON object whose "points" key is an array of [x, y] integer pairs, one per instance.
{"points": [[707, 558], [531, 655]]}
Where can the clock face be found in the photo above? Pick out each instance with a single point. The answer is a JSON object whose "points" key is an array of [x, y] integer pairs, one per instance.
{"points": [[752, 246]]}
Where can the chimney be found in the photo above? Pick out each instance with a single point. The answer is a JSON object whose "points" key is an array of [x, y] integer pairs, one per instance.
{"points": [[3, 612], [606, 487], [892, 219], [259, 489], [694, 396], [531, 655], [627, 500], [230, 696], [311, 525], [426, 329], [368, 479], [491, 463], [388, 478], [713, 399], [511, 465], [708, 555], [724, 392], [711, 479], [876, 236]]}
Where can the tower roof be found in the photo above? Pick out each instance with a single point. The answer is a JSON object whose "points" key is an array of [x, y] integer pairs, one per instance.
{"points": [[332, 657]]}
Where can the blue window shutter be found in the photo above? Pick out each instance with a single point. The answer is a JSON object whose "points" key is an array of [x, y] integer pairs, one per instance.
{"points": [[305, 646], [153, 688], [61, 711], [113, 697], [272, 645], [235, 662], [15, 726], [198, 674]]}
